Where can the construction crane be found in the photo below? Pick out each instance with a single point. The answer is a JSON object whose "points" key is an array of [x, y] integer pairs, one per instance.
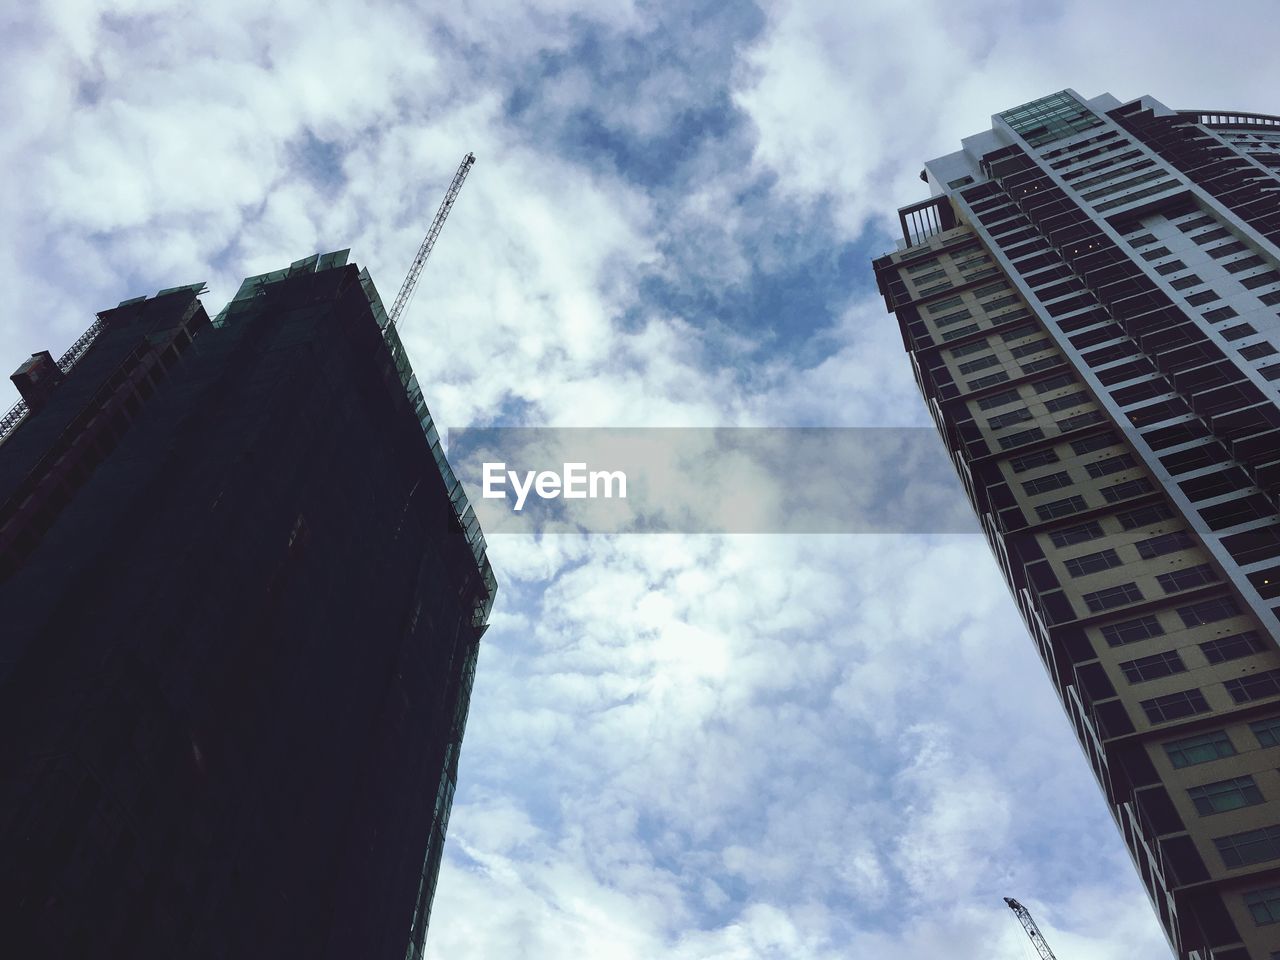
{"points": [[1028, 924], [411, 281]]}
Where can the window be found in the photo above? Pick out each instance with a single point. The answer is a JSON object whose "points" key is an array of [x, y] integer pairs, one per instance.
{"points": [[969, 348], [1157, 665], [1165, 543], [1239, 266], [1238, 331], [950, 318], [1029, 461], [982, 363], [1157, 253], [1208, 611], [1081, 420], [1003, 420], [1256, 686], [1110, 465], [1131, 631], [998, 399], [1227, 249], [1050, 118], [1112, 597], [1252, 283], [1053, 481], [1225, 795], [1095, 442], [1202, 220], [928, 263], [1203, 297], [1257, 350], [1252, 846], [1018, 439], [1196, 576], [1237, 645], [1042, 364], [1174, 706], [1092, 563], [1055, 382], [1066, 402], [1060, 508], [959, 332], [1080, 533], [989, 380], [1130, 488], [1029, 348], [1267, 731], [1199, 749], [990, 288], [1023, 331], [1264, 906], [1144, 516], [1220, 313], [1211, 235], [1190, 280], [1173, 266]]}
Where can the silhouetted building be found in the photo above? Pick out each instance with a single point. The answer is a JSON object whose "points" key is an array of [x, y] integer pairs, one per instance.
{"points": [[1090, 302], [241, 604]]}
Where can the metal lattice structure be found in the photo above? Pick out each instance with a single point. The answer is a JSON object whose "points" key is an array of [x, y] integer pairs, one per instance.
{"points": [[411, 281], [1028, 924]]}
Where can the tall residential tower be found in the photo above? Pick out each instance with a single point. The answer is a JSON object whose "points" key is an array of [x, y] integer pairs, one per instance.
{"points": [[1090, 303], [241, 599]]}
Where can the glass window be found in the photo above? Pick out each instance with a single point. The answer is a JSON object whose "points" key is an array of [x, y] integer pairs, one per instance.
{"points": [[1132, 519], [1256, 686], [1131, 631], [1252, 846], [1165, 543], [1264, 906], [1050, 118], [1186, 579], [1080, 533], [1092, 563], [1053, 481], [1199, 749], [1233, 647], [1173, 706], [1060, 508], [1208, 611], [1267, 731], [1225, 795], [1116, 596], [1162, 664], [1111, 465]]}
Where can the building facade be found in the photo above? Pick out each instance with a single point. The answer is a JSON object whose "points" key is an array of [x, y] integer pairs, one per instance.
{"points": [[242, 596], [1090, 301]]}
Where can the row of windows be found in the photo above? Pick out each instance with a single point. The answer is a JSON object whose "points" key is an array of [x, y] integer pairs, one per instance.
{"points": [[1192, 615], [1168, 662], [1215, 745], [1175, 582], [1186, 703]]}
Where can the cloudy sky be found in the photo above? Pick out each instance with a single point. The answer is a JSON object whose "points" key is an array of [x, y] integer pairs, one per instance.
{"points": [[680, 747]]}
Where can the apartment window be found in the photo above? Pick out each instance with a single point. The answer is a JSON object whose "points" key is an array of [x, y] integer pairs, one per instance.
{"points": [[1196, 576], [1267, 731], [1143, 516], [950, 318], [1190, 280], [989, 380], [1225, 795], [1029, 348], [1174, 706], [1019, 438], [928, 263], [959, 332], [1003, 420], [1264, 906], [999, 399], [1220, 313], [1080, 533], [1060, 508], [1157, 253], [1247, 263], [1211, 235], [1257, 351], [1110, 465], [1208, 611], [1053, 481], [998, 303], [1238, 331], [1131, 631], [1252, 846], [1256, 686], [1173, 266], [1066, 402], [1023, 331], [1222, 649], [1030, 461], [1042, 364], [969, 349], [1262, 279], [1056, 382], [1096, 442], [1227, 249], [1092, 563], [1202, 220], [1130, 488], [990, 288], [1112, 597], [1199, 749], [1165, 543], [1143, 238], [1201, 298], [982, 363]]}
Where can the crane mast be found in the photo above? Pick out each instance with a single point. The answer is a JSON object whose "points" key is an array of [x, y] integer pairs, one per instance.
{"points": [[1028, 924], [411, 281]]}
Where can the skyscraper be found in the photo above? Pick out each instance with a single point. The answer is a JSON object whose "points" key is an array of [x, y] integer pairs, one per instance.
{"points": [[1089, 301], [242, 596]]}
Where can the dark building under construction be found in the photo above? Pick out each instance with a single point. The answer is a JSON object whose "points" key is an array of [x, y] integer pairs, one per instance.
{"points": [[241, 596]]}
